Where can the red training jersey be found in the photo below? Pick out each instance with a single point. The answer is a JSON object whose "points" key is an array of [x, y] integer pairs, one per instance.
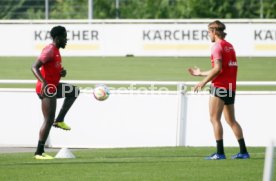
{"points": [[225, 52], [51, 68]]}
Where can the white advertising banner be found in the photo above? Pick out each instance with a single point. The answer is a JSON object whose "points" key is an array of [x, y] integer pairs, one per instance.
{"points": [[138, 39]]}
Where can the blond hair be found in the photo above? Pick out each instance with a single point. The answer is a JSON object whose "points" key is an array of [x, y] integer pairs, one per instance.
{"points": [[218, 27]]}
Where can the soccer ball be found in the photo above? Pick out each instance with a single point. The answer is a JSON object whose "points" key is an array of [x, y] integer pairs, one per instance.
{"points": [[101, 92]]}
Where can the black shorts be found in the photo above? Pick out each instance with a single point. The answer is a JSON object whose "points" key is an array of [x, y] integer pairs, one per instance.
{"points": [[63, 90], [226, 95]]}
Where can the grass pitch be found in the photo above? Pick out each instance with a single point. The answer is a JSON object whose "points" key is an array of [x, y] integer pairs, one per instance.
{"points": [[135, 164], [138, 68]]}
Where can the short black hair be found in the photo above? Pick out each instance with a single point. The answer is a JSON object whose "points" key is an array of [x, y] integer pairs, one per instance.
{"points": [[57, 31]]}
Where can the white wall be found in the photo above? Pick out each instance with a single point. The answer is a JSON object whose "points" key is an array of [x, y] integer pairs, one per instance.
{"points": [[254, 112], [135, 120], [139, 38]]}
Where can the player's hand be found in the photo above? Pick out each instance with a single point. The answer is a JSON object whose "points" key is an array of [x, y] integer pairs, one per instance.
{"points": [[199, 86], [194, 71], [63, 72], [43, 87], [48, 90]]}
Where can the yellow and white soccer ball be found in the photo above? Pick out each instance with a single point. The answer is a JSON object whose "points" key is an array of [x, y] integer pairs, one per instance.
{"points": [[101, 92]]}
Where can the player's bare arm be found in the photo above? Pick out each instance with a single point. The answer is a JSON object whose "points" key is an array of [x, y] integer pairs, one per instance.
{"points": [[210, 75], [35, 69]]}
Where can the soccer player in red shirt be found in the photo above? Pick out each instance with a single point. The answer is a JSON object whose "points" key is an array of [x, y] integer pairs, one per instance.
{"points": [[48, 70], [223, 76]]}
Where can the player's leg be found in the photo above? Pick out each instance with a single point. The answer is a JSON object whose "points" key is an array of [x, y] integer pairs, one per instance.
{"points": [[229, 114], [215, 109], [216, 104], [70, 93], [48, 110]]}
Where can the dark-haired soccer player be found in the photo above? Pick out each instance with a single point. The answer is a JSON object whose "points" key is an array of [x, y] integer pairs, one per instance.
{"points": [[48, 70], [223, 76]]}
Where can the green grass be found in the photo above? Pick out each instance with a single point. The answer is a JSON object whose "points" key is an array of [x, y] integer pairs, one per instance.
{"points": [[135, 164], [138, 68]]}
